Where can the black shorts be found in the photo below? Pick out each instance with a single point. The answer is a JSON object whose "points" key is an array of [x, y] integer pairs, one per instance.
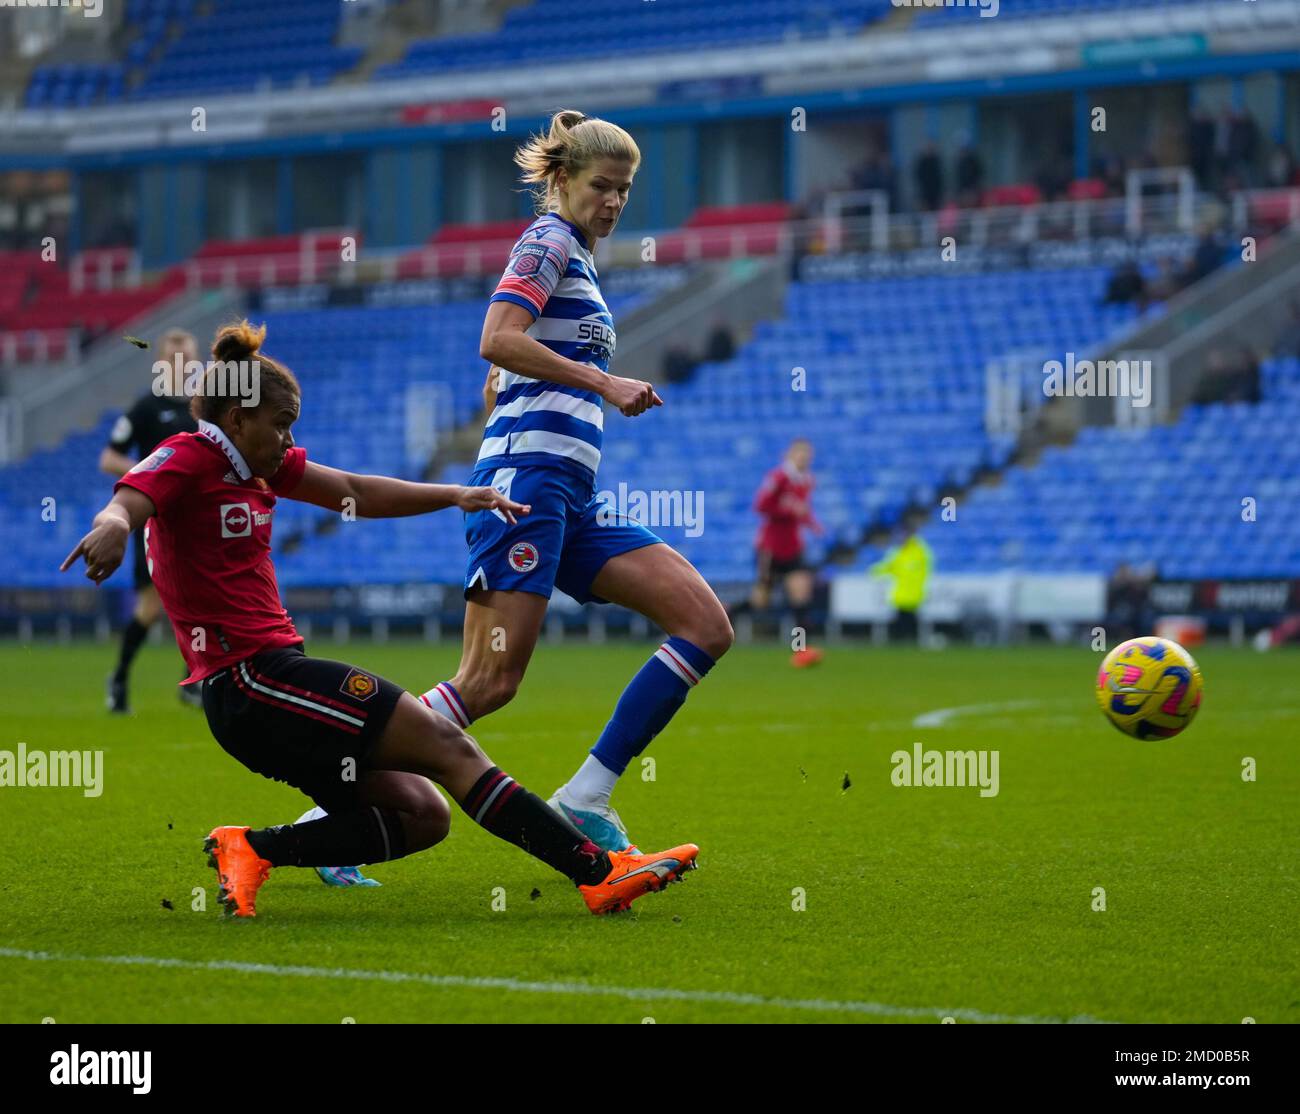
{"points": [[309, 722], [142, 577], [769, 567]]}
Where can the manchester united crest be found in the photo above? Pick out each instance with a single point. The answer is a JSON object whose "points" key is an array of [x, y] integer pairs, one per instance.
{"points": [[359, 686]]}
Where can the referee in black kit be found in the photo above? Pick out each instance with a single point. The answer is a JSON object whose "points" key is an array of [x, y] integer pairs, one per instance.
{"points": [[150, 421]]}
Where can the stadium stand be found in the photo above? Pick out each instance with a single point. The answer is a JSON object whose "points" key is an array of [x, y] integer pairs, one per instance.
{"points": [[894, 400], [927, 18], [293, 44], [40, 303], [358, 367], [1109, 498], [553, 30]]}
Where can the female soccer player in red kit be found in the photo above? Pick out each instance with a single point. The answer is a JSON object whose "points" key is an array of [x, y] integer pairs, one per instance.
{"points": [[785, 503], [358, 745]]}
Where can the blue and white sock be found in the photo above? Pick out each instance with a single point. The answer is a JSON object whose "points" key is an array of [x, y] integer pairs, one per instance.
{"points": [[650, 700], [446, 701]]}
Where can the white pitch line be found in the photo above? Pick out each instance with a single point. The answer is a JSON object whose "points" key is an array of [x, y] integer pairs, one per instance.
{"points": [[941, 716], [645, 994]]}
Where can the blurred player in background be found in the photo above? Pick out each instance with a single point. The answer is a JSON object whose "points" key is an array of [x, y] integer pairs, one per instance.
{"points": [[785, 503], [150, 421], [908, 564], [351, 740]]}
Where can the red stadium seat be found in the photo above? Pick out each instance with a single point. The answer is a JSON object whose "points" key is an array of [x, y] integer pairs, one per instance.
{"points": [[473, 233], [763, 212], [1025, 193], [1086, 189]]}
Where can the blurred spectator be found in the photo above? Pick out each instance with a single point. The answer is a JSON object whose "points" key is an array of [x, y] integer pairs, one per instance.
{"points": [[1053, 178], [721, 345], [929, 177], [1200, 146], [1125, 285], [1281, 167], [1128, 608], [117, 232], [1288, 340], [1230, 377], [1206, 259], [970, 176], [875, 172], [1166, 281], [678, 364], [1243, 145], [1111, 171], [8, 224]]}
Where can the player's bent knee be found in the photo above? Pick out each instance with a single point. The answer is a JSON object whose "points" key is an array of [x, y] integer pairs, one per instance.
{"points": [[715, 634], [726, 634], [428, 826]]}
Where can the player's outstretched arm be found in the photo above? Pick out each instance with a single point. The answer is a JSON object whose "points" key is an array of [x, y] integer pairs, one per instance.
{"points": [[385, 497], [507, 344], [114, 463], [105, 545]]}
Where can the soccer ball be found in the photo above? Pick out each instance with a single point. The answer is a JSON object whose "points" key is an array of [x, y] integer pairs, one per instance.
{"points": [[1149, 688]]}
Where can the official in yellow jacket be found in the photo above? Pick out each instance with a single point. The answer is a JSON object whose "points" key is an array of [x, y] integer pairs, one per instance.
{"points": [[909, 564]]}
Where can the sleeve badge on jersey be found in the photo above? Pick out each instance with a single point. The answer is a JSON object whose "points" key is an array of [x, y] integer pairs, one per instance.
{"points": [[528, 259], [154, 460], [358, 685]]}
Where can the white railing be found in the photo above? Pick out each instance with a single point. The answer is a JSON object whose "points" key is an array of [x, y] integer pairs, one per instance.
{"points": [[1128, 413], [1178, 179], [11, 430], [1013, 391], [100, 268], [830, 232], [429, 415], [39, 346]]}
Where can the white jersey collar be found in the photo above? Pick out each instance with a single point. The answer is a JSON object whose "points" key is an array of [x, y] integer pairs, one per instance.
{"points": [[217, 436]]}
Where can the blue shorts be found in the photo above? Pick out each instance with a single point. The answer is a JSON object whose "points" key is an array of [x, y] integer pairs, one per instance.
{"points": [[563, 543]]}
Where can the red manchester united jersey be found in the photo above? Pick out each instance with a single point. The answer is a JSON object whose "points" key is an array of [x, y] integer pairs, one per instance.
{"points": [[209, 547], [785, 502]]}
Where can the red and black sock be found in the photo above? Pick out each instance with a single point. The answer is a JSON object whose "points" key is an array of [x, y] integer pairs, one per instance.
{"points": [[365, 835], [506, 809]]}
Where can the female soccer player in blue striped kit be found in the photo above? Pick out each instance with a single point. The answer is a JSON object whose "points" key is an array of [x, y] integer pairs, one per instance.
{"points": [[549, 331]]}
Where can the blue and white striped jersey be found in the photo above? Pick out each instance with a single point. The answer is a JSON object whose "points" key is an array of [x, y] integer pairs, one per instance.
{"points": [[551, 273]]}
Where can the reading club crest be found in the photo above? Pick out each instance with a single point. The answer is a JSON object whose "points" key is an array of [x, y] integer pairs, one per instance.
{"points": [[523, 557]]}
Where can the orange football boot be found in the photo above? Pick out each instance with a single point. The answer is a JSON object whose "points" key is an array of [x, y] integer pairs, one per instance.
{"points": [[238, 867], [802, 659], [634, 875]]}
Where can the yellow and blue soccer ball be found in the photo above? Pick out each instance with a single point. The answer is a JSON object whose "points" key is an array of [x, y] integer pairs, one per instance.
{"points": [[1149, 688]]}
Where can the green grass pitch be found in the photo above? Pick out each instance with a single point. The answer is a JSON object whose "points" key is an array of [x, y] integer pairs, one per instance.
{"points": [[920, 902]]}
